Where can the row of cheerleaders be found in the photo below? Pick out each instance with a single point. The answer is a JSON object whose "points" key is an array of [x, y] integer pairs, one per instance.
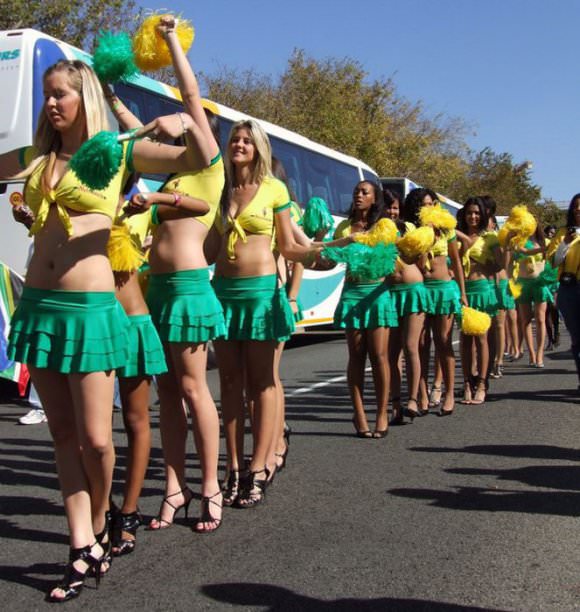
{"points": [[76, 326]]}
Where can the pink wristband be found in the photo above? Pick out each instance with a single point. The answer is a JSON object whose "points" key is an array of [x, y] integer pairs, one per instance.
{"points": [[176, 199]]}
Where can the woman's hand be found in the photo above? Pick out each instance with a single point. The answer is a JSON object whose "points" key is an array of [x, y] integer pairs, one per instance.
{"points": [[23, 214], [167, 127], [138, 204], [464, 301], [166, 25]]}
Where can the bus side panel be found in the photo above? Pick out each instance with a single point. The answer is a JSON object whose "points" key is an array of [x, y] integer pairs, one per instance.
{"points": [[46, 53]]}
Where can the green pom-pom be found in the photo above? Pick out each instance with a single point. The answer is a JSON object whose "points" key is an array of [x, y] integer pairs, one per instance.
{"points": [[316, 217], [365, 262], [98, 160], [113, 59]]}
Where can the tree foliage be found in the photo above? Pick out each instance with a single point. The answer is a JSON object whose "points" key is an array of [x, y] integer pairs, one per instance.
{"points": [[333, 102], [77, 22]]}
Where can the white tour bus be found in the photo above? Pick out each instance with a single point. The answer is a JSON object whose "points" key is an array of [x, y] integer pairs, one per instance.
{"points": [[313, 169]]}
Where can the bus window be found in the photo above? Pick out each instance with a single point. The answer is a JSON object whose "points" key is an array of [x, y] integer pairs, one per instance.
{"points": [[344, 179], [290, 156]]}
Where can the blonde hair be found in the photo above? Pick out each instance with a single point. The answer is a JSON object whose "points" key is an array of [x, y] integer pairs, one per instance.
{"points": [[47, 140], [263, 159]]}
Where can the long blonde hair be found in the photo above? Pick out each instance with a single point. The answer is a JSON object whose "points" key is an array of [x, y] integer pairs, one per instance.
{"points": [[262, 161], [47, 140]]}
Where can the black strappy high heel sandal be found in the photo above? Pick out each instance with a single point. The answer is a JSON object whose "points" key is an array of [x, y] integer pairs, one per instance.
{"points": [[73, 581], [231, 488], [253, 490], [125, 524], [206, 516], [162, 523]]}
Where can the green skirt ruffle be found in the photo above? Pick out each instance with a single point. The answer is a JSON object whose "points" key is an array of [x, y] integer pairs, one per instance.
{"points": [[146, 356], [409, 298], [534, 291], [365, 306], [184, 307], [481, 295], [69, 331], [505, 299], [444, 297], [255, 308]]}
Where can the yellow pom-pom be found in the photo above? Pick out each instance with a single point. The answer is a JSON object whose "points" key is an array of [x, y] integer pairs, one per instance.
{"points": [[521, 223], [474, 322], [515, 288], [124, 253], [151, 51], [437, 217], [416, 242], [383, 231]]}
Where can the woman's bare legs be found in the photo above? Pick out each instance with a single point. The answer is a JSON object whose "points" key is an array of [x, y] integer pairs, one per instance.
{"points": [[395, 350], [259, 360], [413, 325], [540, 315], [190, 365], [442, 336], [499, 324], [525, 318], [355, 376], [230, 358], [173, 428], [512, 328], [135, 402], [377, 342], [79, 412], [466, 353], [278, 446]]}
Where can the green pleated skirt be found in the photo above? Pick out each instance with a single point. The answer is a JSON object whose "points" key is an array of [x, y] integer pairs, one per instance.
{"points": [[146, 356], [365, 306], [184, 307], [505, 299], [444, 297], [69, 331], [481, 295], [255, 308], [534, 291], [409, 298]]}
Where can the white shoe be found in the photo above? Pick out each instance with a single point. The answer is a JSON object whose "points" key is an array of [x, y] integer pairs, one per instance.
{"points": [[33, 417]]}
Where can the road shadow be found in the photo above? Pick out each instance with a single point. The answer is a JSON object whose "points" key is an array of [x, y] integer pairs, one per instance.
{"points": [[272, 598], [529, 451]]}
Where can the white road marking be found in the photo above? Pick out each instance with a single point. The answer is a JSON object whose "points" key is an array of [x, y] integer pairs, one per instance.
{"points": [[326, 383]]}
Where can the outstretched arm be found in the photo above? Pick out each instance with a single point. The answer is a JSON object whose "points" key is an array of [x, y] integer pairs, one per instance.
{"points": [[189, 88], [126, 119]]}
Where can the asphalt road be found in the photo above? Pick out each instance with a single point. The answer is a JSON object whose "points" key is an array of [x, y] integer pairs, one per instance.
{"points": [[478, 511]]}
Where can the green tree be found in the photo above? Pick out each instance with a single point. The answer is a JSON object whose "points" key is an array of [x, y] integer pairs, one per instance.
{"points": [[76, 22]]}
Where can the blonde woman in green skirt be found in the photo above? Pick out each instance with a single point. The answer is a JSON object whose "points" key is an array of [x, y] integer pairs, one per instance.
{"points": [[68, 327], [254, 215]]}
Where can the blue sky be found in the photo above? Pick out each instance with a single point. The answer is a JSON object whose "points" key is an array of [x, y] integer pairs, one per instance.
{"points": [[509, 68]]}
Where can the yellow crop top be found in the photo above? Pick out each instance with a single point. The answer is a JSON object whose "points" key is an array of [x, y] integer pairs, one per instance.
{"points": [[70, 193], [481, 251], [441, 246], [205, 184], [257, 217]]}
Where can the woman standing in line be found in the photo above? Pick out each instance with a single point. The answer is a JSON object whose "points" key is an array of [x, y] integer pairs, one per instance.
{"points": [[182, 302], [478, 258], [254, 210], [566, 256], [445, 294], [534, 296], [69, 328], [366, 311], [408, 293]]}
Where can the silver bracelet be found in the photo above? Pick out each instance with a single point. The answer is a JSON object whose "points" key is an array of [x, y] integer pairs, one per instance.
{"points": [[180, 115]]}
